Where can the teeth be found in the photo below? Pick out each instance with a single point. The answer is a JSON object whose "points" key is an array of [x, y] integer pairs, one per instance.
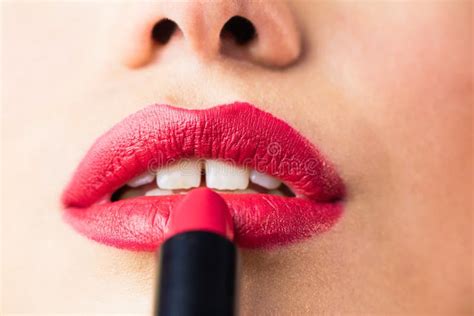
{"points": [[264, 180], [158, 192], [142, 179], [246, 191], [185, 174], [224, 176]]}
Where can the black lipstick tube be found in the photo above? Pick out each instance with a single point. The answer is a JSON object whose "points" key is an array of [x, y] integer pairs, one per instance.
{"points": [[197, 275]]}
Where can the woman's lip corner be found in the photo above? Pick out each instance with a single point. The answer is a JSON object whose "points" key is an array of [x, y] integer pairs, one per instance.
{"points": [[240, 132]]}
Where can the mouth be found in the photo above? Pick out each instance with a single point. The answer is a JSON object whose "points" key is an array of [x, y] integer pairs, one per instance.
{"points": [[278, 186]]}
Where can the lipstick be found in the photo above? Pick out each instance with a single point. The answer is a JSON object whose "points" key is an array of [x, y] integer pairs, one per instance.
{"points": [[198, 258]]}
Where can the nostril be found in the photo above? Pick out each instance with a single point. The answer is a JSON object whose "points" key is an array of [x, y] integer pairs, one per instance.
{"points": [[163, 30], [240, 29]]}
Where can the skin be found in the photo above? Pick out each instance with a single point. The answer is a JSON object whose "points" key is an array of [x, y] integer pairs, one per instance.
{"points": [[383, 88]]}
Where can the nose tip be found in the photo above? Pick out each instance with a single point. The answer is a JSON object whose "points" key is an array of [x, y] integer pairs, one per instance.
{"points": [[260, 32]]}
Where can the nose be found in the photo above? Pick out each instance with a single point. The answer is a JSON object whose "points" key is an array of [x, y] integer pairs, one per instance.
{"points": [[260, 32]]}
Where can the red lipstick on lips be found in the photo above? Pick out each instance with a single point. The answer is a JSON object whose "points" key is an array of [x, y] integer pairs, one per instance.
{"points": [[238, 132]]}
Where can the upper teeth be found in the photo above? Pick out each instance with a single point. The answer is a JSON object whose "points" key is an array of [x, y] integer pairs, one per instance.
{"points": [[224, 176], [186, 174], [264, 180], [142, 179]]}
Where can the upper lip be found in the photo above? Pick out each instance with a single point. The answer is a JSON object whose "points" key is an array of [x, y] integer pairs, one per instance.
{"points": [[238, 132]]}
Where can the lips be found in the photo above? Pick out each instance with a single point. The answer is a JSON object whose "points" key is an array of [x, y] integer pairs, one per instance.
{"points": [[238, 133]]}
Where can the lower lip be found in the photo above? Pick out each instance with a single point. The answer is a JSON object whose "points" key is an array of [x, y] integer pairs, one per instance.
{"points": [[260, 220]]}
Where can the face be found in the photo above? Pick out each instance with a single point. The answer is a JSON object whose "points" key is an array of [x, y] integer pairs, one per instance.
{"points": [[383, 91]]}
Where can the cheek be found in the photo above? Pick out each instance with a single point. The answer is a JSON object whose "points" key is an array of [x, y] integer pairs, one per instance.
{"points": [[420, 64], [411, 53], [406, 69]]}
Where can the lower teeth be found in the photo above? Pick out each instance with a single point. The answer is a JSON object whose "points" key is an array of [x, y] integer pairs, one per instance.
{"points": [[158, 192], [127, 192]]}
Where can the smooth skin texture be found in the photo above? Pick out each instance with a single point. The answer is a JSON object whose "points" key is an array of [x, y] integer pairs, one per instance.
{"points": [[383, 88]]}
